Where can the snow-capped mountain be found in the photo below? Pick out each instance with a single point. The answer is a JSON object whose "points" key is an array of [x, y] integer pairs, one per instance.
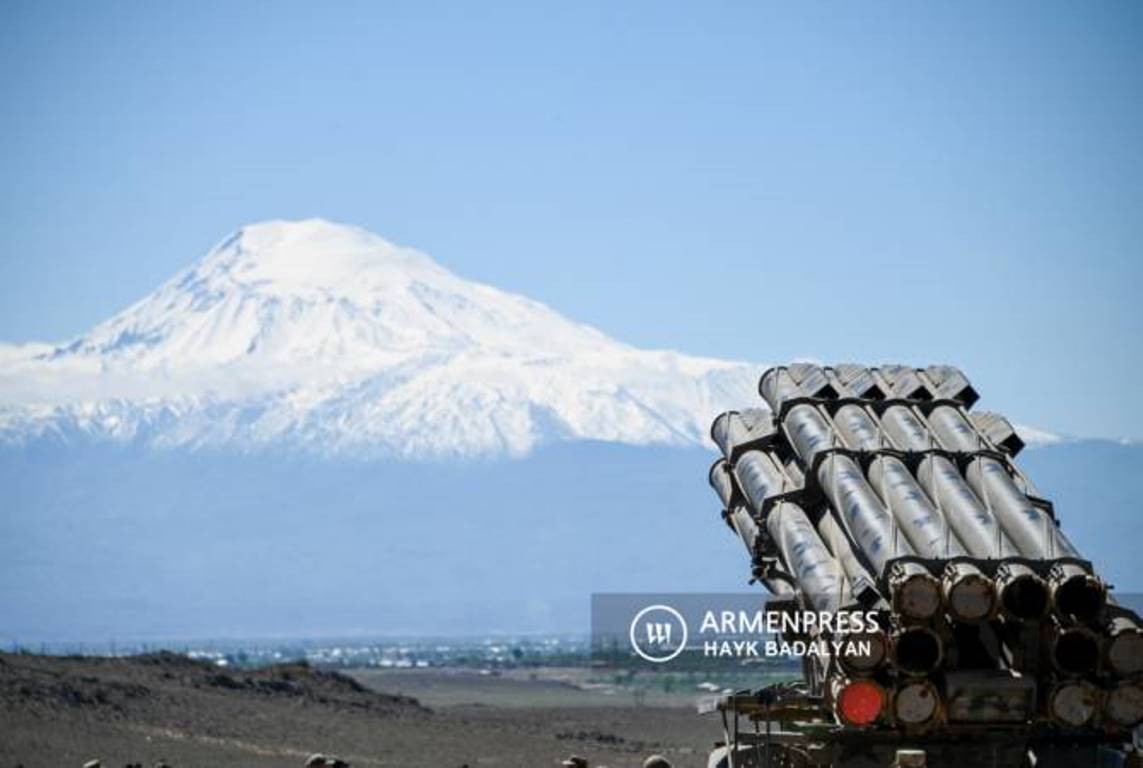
{"points": [[294, 339], [322, 337]]}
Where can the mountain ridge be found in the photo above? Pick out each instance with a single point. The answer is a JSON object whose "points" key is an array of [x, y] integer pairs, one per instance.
{"points": [[329, 339]]}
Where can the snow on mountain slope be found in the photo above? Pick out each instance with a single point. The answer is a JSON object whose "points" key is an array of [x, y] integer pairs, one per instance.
{"points": [[326, 338]]}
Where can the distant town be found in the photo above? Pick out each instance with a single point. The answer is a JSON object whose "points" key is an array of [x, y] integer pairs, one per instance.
{"points": [[389, 653]]}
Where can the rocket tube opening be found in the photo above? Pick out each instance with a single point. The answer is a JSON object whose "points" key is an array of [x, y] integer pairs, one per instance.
{"points": [[1073, 704], [860, 702], [1025, 598], [916, 703], [971, 598], [859, 663], [918, 596], [1075, 651], [1124, 704], [1125, 652], [1080, 597], [917, 650]]}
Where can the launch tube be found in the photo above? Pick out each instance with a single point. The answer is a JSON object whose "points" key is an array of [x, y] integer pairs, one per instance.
{"points": [[1022, 593], [740, 519], [817, 571], [759, 477], [906, 430], [809, 432], [736, 428], [926, 528], [949, 383], [1073, 703], [916, 703], [1075, 592], [1074, 650], [861, 512], [1124, 703], [835, 541], [743, 524], [776, 386], [954, 431], [969, 594], [914, 591], [723, 484], [877, 641], [857, 702], [860, 584], [1124, 651], [1031, 529], [859, 429], [975, 527], [916, 650]]}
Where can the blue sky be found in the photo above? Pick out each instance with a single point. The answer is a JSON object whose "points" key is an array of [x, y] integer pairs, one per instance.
{"points": [[864, 181]]}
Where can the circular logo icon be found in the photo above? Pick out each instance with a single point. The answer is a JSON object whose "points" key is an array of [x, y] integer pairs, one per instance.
{"points": [[658, 633]]}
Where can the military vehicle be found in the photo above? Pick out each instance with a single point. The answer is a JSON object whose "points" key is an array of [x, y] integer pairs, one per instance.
{"points": [[997, 644]]}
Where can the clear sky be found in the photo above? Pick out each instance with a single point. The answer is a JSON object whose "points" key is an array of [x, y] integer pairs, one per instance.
{"points": [[850, 181]]}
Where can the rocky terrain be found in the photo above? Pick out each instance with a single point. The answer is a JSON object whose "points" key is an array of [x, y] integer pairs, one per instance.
{"points": [[63, 711]]}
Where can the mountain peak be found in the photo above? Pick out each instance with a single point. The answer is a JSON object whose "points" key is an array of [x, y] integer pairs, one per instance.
{"points": [[328, 338], [324, 295], [315, 255]]}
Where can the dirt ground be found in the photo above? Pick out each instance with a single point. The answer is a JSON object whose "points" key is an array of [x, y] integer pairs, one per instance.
{"points": [[59, 712]]}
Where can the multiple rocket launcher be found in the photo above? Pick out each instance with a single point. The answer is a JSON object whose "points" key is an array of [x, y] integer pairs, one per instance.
{"points": [[878, 489]]}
